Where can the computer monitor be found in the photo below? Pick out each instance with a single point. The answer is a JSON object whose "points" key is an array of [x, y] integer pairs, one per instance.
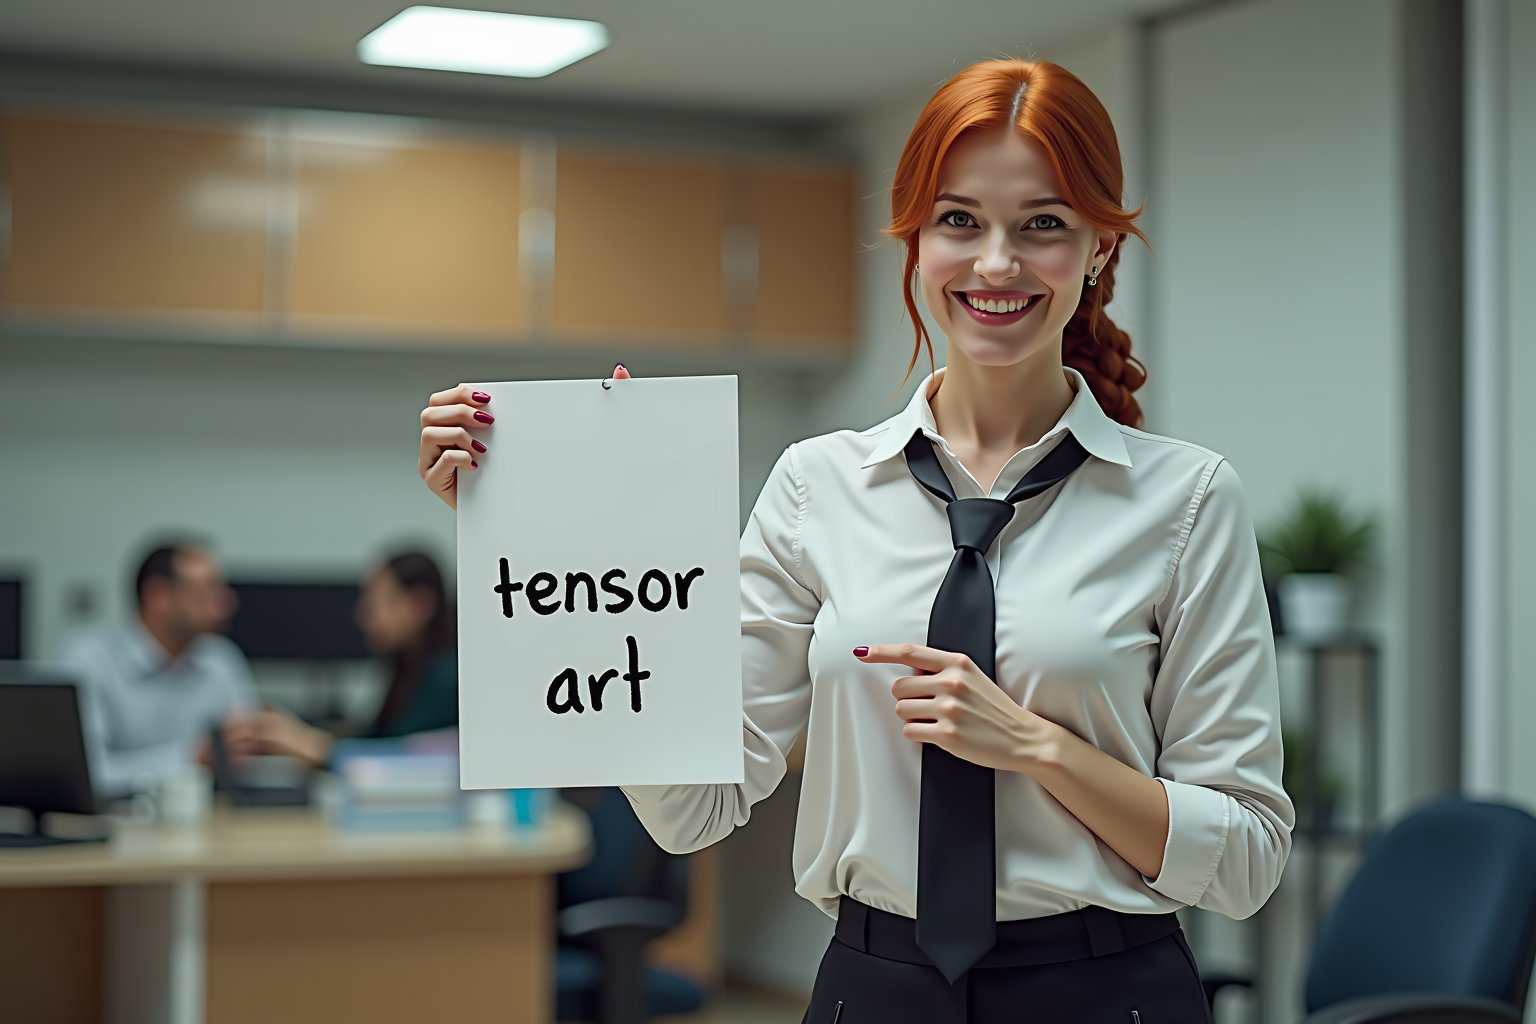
{"points": [[10, 620], [43, 766], [308, 621]]}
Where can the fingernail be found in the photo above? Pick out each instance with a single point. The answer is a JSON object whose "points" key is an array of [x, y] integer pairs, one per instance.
{"points": [[484, 417], [480, 396], [473, 464], [620, 366], [477, 446], [860, 652]]}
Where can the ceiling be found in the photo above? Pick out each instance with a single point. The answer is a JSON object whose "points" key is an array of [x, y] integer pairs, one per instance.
{"points": [[798, 58]]}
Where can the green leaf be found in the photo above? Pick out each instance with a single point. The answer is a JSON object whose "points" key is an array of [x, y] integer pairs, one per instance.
{"points": [[1318, 534]]}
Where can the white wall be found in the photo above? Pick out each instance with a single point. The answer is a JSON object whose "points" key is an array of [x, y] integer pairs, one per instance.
{"points": [[1278, 300], [1283, 300]]}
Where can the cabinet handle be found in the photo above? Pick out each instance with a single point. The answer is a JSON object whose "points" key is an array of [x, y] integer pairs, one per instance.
{"points": [[5, 220], [738, 261]]}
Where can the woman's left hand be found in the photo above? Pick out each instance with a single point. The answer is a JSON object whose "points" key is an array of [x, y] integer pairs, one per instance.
{"points": [[952, 704]]}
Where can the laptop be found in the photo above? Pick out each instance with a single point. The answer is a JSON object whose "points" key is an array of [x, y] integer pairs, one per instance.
{"points": [[43, 766]]}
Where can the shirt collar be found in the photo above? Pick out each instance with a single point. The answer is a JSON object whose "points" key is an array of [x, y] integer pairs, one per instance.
{"points": [[146, 652], [1092, 427]]}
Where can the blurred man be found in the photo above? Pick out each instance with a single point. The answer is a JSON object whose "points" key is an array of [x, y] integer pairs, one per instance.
{"points": [[151, 687]]}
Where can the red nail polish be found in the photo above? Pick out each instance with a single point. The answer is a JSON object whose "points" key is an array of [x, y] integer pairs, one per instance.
{"points": [[473, 464], [477, 446], [484, 417], [860, 652], [480, 396]]}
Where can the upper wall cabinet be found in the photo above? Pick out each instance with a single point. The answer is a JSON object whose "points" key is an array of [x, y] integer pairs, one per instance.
{"points": [[402, 233], [133, 215], [314, 225]]}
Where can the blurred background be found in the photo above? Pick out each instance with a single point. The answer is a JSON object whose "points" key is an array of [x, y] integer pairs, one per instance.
{"points": [[235, 260]]}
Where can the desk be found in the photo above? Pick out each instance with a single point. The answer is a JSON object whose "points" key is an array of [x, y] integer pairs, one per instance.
{"points": [[274, 915]]}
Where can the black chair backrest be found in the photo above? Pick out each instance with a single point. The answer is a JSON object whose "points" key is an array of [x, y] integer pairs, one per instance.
{"points": [[1444, 901], [626, 862]]}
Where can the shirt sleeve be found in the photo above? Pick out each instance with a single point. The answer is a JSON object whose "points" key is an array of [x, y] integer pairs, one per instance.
{"points": [[114, 772], [777, 613], [241, 695], [1216, 709]]}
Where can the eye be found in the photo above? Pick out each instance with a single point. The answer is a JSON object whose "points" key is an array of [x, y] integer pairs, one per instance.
{"points": [[1054, 222], [944, 219]]}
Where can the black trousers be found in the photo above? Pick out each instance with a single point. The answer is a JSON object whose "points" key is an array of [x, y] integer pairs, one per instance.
{"points": [[1092, 966]]}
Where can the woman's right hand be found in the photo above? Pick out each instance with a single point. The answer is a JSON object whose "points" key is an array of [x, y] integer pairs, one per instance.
{"points": [[447, 445]]}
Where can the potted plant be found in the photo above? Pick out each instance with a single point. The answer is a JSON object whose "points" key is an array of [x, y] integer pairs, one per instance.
{"points": [[1312, 552]]}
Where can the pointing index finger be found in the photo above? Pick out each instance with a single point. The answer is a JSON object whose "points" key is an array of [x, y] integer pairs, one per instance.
{"points": [[917, 656]]}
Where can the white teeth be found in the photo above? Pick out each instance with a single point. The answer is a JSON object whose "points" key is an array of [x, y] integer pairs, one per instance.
{"points": [[997, 305]]}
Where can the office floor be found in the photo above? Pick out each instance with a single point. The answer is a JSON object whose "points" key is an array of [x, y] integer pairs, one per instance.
{"points": [[737, 1005]]}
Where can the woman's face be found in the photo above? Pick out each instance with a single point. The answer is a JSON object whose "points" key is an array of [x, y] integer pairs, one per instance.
{"points": [[392, 617], [1001, 236]]}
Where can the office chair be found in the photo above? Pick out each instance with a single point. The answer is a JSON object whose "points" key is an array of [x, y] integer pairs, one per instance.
{"points": [[1437, 926], [629, 893]]}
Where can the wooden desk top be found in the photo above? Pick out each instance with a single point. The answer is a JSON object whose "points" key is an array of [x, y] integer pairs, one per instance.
{"points": [[257, 844]]}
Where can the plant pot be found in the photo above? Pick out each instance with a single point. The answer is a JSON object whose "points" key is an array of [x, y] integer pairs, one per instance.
{"points": [[1314, 605]]}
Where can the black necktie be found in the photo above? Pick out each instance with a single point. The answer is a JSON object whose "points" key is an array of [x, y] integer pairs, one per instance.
{"points": [[957, 826]]}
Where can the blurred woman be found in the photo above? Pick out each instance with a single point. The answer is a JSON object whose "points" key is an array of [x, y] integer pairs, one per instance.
{"points": [[405, 615]]}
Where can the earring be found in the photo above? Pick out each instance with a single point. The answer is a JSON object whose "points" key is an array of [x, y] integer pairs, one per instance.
{"points": [[1093, 276]]}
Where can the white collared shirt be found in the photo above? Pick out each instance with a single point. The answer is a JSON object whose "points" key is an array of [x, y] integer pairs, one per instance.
{"points": [[1130, 609], [143, 713]]}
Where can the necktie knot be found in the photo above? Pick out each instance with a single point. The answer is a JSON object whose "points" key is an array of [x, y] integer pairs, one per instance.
{"points": [[975, 522]]}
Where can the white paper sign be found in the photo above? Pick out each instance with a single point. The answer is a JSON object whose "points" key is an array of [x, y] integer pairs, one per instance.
{"points": [[599, 586]]}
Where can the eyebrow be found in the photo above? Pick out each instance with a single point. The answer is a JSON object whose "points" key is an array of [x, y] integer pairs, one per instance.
{"points": [[1028, 204]]}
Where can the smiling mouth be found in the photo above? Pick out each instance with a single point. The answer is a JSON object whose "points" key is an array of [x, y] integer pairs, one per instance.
{"points": [[997, 305], [997, 311]]}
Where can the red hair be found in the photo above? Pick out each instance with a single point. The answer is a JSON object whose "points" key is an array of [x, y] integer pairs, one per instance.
{"points": [[1049, 105]]}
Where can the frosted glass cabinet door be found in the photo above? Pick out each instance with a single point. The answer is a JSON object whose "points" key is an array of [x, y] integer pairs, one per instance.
{"points": [[804, 221], [415, 236], [638, 248], [118, 214]]}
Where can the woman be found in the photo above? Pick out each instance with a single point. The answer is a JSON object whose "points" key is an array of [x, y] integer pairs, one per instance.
{"points": [[1124, 733], [405, 614]]}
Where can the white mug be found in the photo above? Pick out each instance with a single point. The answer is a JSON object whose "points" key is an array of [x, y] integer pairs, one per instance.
{"points": [[186, 795], [486, 808]]}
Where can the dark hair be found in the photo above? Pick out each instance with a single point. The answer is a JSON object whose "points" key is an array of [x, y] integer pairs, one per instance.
{"points": [[416, 572], [160, 562]]}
